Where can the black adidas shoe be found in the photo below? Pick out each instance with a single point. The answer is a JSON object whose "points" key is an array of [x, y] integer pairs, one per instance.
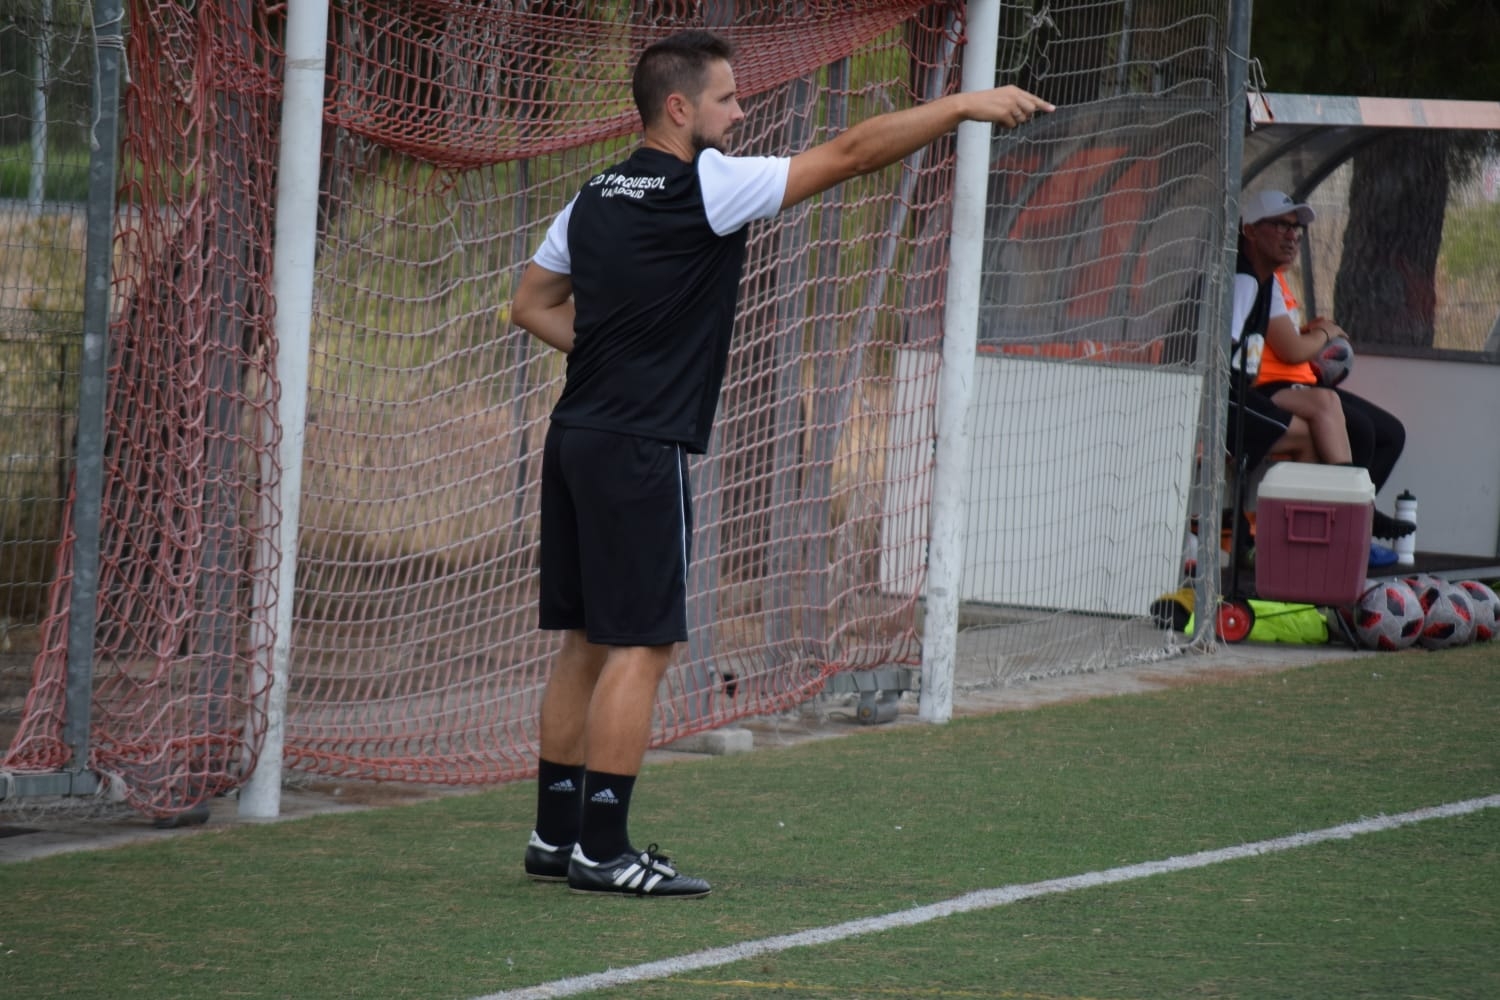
{"points": [[547, 862], [644, 873]]}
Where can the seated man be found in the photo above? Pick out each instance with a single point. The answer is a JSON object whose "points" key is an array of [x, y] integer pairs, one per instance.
{"points": [[1259, 427], [1270, 234], [1307, 428]]}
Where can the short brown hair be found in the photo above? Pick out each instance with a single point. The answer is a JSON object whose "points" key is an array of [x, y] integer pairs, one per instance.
{"points": [[675, 65]]}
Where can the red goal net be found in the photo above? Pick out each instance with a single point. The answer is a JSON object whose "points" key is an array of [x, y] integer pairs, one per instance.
{"points": [[453, 132]]}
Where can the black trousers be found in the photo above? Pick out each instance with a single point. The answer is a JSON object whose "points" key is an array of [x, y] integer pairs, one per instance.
{"points": [[1376, 438]]}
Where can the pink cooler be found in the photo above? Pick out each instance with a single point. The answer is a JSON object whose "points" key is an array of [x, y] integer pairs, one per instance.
{"points": [[1312, 533]]}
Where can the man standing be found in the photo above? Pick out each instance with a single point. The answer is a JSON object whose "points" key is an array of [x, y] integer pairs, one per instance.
{"points": [[637, 281]]}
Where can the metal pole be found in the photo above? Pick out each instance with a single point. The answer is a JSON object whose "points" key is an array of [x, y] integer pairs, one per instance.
{"points": [[42, 63], [88, 482], [950, 484], [1213, 342], [292, 275]]}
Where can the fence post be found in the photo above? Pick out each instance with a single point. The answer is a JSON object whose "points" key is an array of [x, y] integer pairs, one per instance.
{"points": [[41, 60], [294, 258], [88, 482], [1213, 341], [950, 484]]}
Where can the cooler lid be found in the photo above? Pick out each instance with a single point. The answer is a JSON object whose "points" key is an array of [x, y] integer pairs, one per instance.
{"points": [[1317, 483]]}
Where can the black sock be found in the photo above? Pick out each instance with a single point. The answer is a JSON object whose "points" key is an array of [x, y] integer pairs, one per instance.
{"points": [[606, 812], [559, 802]]}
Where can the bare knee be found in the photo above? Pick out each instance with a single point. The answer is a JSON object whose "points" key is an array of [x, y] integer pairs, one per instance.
{"points": [[646, 664], [1326, 404], [1298, 441], [579, 657]]}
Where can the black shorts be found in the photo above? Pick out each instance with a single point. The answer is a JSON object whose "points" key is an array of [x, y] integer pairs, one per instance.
{"points": [[617, 525], [1264, 424]]}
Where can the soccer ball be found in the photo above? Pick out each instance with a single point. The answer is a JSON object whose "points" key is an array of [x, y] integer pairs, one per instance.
{"points": [[1334, 362], [1425, 586], [1386, 616], [1486, 606], [1448, 616]]}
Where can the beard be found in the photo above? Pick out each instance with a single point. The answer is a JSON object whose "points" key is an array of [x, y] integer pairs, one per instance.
{"points": [[702, 142]]}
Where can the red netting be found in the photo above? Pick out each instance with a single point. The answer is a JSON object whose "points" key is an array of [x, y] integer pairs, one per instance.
{"points": [[189, 436], [417, 590], [453, 133], [461, 85]]}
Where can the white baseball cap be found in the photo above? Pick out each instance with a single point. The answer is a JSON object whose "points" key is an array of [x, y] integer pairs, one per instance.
{"points": [[1265, 204]]}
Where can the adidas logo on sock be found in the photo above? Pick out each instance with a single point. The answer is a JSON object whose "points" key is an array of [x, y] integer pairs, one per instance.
{"points": [[565, 785], [605, 797]]}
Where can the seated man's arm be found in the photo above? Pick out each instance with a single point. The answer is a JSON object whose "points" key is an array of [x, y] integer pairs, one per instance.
{"points": [[1292, 345]]}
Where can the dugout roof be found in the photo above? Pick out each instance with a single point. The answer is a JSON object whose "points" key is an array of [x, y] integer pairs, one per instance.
{"points": [[1294, 141]]}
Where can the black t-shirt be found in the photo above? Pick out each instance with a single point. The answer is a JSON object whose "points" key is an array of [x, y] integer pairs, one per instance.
{"points": [[655, 289]]}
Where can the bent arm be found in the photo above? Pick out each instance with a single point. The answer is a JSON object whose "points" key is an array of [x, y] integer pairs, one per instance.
{"points": [[880, 141], [543, 306], [1295, 346], [1328, 326], [1289, 344]]}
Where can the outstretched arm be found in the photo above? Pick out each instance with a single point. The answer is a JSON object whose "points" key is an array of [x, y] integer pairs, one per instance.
{"points": [[880, 141], [543, 306]]}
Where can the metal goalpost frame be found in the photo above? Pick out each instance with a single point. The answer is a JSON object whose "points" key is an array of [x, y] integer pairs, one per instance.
{"points": [[295, 235], [76, 778], [952, 469], [945, 558], [293, 259], [1206, 587]]}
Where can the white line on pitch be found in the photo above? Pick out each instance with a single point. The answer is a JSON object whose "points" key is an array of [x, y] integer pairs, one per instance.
{"points": [[983, 899]]}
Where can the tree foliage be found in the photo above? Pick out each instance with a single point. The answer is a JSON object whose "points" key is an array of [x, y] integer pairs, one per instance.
{"points": [[61, 30], [1379, 48]]}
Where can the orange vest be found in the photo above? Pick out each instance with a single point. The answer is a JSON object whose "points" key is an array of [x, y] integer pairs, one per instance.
{"points": [[1272, 368]]}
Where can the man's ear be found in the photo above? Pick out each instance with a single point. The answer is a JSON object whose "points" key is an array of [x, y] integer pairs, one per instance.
{"points": [[678, 109]]}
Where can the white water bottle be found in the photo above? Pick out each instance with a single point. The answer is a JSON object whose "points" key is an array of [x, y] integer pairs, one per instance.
{"points": [[1406, 547]]}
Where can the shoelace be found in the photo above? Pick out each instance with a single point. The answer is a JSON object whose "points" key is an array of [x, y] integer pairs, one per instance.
{"points": [[652, 857]]}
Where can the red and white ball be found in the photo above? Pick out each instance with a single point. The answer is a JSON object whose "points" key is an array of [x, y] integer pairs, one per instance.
{"points": [[1448, 615], [1486, 607], [1387, 616], [1334, 362]]}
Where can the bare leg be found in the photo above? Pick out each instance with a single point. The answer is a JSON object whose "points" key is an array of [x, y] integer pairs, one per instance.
{"points": [[596, 716], [565, 703], [619, 714], [598, 704], [1297, 443], [1324, 415]]}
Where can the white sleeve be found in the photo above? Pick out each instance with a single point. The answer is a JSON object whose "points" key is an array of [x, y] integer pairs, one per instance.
{"points": [[1278, 303], [739, 189], [1245, 290], [553, 253]]}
